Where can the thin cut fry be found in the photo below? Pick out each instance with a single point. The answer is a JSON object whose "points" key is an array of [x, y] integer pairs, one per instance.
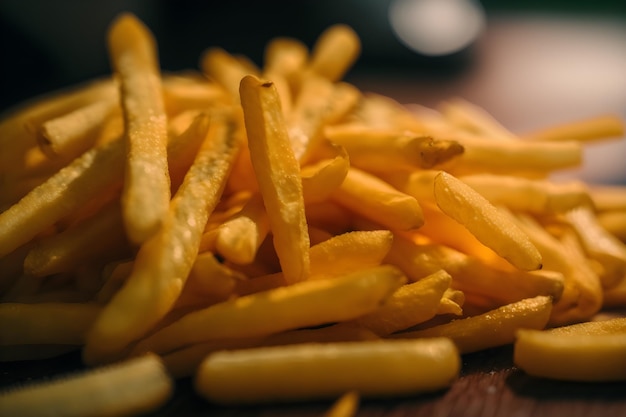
{"points": [[334, 52], [146, 192], [489, 225], [596, 128], [278, 175], [314, 371]]}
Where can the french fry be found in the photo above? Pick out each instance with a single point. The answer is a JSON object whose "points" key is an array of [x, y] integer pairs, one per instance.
{"points": [[595, 128], [334, 52], [489, 225], [345, 406], [277, 172], [285, 56], [384, 150], [46, 323], [146, 192], [129, 388], [374, 199], [473, 119], [301, 372], [410, 305], [225, 69], [164, 261], [494, 328], [307, 303], [592, 351], [321, 178], [608, 198]]}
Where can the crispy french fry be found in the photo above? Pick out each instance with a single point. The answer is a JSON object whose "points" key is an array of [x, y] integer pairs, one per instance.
{"points": [[307, 303], [410, 305], [374, 369], [592, 351], [285, 56], [489, 225], [277, 172], [378, 201], [136, 386], [321, 178], [164, 261], [46, 323], [494, 328], [595, 128], [224, 68], [474, 119], [146, 192], [384, 150]]}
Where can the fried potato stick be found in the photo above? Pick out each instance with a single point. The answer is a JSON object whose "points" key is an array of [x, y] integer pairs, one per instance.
{"points": [[146, 192], [486, 222], [128, 388], [494, 328], [165, 260], [278, 175], [595, 128], [315, 371], [303, 304]]}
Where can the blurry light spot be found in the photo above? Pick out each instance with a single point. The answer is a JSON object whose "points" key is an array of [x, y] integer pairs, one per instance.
{"points": [[436, 27]]}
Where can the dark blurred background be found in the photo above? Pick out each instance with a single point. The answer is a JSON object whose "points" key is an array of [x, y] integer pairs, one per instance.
{"points": [[530, 63]]}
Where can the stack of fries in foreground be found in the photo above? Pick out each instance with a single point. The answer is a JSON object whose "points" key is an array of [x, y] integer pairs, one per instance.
{"points": [[279, 235]]}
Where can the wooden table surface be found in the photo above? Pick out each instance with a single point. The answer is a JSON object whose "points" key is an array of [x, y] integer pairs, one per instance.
{"points": [[489, 386]]}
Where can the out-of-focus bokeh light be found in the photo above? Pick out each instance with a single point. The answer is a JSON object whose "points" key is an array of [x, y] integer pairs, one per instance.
{"points": [[436, 27]]}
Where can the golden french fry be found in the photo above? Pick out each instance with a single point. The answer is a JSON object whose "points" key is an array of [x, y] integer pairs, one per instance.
{"points": [[146, 192], [474, 119], [345, 406], [46, 323], [410, 305], [224, 68], [321, 178], [608, 197], [592, 351], [389, 150], [285, 56], [613, 222], [600, 127], [378, 201], [136, 386], [278, 175], [494, 328], [303, 304], [334, 52], [101, 235], [72, 134], [165, 260], [486, 222], [374, 369]]}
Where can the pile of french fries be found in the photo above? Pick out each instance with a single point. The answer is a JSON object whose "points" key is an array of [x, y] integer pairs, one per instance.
{"points": [[279, 235]]}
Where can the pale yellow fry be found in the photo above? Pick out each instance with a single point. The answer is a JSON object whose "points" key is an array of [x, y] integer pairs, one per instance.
{"points": [[185, 362], [129, 388], [516, 156], [392, 150], [581, 352], [334, 52], [183, 93], [315, 371], [349, 251], [494, 328], [410, 305], [376, 200], [474, 119], [614, 222], [382, 112], [101, 235], [493, 228], [531, 195], [345, 406], [19, 127], [285, 56], [608, 197], [303, 304], [582, 292], [225, 69], [595, 128], [70, 135], [239, 238], [164, 261], [278, 175], [451, 302], [146, 192], [46, 323], [321, 178], [599, 244]]}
